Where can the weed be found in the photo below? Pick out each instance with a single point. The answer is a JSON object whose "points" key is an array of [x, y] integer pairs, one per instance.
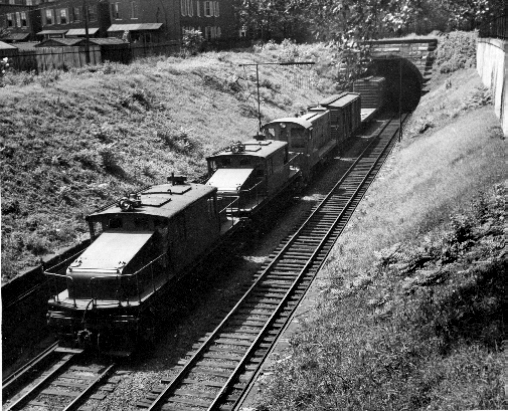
{"points": [[109, 158], [177, 140]]}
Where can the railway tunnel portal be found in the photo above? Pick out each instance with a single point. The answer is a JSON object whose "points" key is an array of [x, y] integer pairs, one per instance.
{"points": [[407, 66]]}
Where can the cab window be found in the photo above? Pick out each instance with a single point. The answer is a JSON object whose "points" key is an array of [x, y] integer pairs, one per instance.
{"points": [[141, 224], [298, 138], [115, 223]]}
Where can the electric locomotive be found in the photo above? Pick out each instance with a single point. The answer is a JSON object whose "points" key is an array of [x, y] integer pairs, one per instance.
{"points": [[140, 245], [249, 174]]}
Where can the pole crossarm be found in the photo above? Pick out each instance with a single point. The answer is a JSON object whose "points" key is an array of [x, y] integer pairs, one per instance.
{"points": [[285, 63]]}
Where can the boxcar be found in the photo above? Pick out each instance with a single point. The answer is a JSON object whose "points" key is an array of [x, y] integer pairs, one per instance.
{"points": [[372, 90], [139, 246], [345, 115], [308, 135], [251, 173]]}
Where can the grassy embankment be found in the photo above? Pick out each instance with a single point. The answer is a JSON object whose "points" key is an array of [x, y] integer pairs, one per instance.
{"points": [[410, 310], [71, 141]]}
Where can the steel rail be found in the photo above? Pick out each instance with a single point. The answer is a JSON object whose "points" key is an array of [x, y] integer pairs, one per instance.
{"points": [[13, 380], [27, 396], [194, 359], [74, 405], [310, 262], [363, 186], [56, 373]]}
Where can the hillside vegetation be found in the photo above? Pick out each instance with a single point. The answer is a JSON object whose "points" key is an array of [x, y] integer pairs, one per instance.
{"points": [[71, 141], [410, 313]]}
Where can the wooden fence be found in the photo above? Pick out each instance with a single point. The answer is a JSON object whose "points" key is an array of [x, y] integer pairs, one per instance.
{"points": [[51, 58], [63, 58]]}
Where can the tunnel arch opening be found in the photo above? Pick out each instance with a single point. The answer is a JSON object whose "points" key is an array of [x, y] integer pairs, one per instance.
{"points": [[404, 82]]}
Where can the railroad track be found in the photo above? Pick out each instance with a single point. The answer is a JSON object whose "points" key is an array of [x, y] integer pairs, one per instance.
{"points": [[218, 373], [56, 380]]}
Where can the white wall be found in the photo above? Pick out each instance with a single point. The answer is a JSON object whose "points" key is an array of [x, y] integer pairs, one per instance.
{"points": [[492, 65]]}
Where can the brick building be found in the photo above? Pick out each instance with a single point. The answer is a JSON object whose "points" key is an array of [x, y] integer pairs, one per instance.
{"points": [[21, 18], [147, 21], [215, 19]]}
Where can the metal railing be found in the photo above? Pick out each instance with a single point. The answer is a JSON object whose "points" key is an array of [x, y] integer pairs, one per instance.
{"points": [[145, 278], [495, 28]]}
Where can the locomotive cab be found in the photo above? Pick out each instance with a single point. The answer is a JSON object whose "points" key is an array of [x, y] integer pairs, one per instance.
{"points": [[308, 135], [107, 296], [251, 172]]}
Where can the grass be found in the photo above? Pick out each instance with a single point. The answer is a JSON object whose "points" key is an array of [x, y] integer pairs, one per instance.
{"points": [[410, 308], [71, 141]]}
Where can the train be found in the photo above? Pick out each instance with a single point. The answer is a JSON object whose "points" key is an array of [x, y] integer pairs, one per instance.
{"points": [[109, 297]]}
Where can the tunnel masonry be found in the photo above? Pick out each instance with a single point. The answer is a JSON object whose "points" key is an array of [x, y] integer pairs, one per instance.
{"points": [[419, 51]]}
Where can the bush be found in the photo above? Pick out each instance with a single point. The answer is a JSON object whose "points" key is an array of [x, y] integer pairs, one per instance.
{"points": [[455, 51], [177, 140], [192, 41]]}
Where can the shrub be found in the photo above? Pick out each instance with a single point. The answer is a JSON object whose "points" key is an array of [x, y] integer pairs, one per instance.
{"points": [[192, 41], [456, 51], [177, 140]]}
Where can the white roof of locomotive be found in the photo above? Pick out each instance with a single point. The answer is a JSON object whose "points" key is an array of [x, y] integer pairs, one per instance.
{"points": [[255, 148], [110, 252], [229, 179]]}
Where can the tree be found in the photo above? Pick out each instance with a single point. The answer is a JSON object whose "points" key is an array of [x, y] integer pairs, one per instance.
{"points": [[270, 19]]}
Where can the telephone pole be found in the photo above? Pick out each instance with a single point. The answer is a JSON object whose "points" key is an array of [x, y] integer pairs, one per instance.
{"points": [[296, 63]]}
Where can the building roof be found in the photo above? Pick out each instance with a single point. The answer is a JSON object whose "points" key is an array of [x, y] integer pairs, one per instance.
{"points": [[26, 45], [5, 46], [135, 27], [43, 32], [254, 148], [107, 40], [16, 36], [163, 201], [58, 42], [81, 32]]}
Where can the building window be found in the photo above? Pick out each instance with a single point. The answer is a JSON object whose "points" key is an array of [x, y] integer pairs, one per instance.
{"points": [[49, 17], [208, 8], [12, 2], [10, 21], [115, 10], [190, 10], [219, 33], [23, 19], [92, 13], [243, 31], [184, 7], [76, 13], [29, 3], [198, 8], [134, 10], [216, 9]]}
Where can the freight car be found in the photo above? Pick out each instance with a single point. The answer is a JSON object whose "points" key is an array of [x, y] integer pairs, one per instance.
{"points": [[249, 174], [317, 134], [141, 245]]}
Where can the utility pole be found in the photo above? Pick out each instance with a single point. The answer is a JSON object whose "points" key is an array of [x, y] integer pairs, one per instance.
{"points": [[400, 99], [87, 37], [296, 63]]}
